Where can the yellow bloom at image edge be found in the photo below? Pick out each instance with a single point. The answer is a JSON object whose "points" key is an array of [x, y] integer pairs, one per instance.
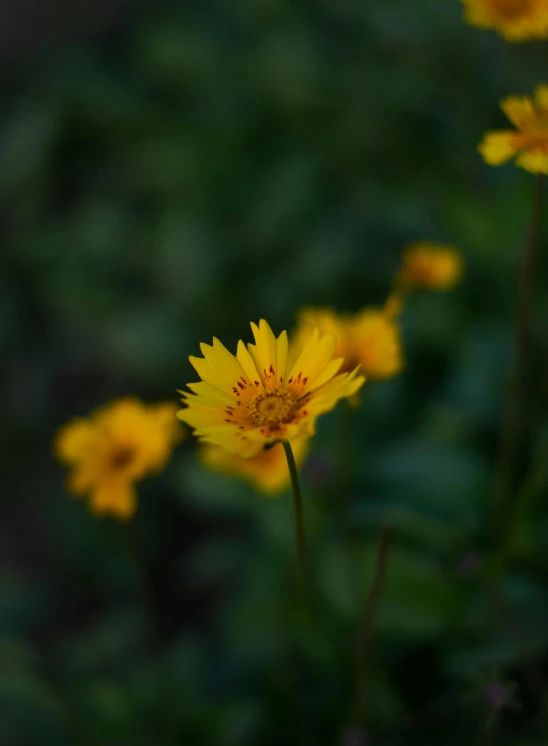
{"points": [[115, 447], [266, 392], [515, 20], [528, 142], [430, 266], [267, 471]]}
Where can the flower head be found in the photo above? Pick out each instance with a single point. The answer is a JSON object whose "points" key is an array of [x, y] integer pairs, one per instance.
{"points": [[369, 338], [265, 393], [115, 447], [430, 266], [267, 471], [377, 342], [529, 141], [515, 20]]}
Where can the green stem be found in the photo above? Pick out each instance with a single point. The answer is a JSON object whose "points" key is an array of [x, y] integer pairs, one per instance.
{"points": [[300, 542], [363, 644], [512, 425]]}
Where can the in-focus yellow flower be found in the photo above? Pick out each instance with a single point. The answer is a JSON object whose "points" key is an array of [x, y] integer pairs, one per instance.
{"points": [[515, 20], [115, 447], [264, 394], [529, 141], [267, 471], [430, 266], [370, 338]]}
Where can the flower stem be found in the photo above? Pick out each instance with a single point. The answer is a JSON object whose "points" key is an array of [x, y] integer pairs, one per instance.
{"points": [[363, 643], [300, 542], [512, 424]]}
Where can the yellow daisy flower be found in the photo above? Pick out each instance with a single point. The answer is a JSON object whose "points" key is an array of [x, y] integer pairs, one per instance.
{"points": [[515, 20], [529, 141], [430, 266], [370, 338], [267, 471], [262, 394], [115, 447]]}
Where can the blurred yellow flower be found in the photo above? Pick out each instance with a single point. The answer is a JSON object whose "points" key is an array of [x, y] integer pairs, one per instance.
{"points": [[529, 141], [430, 266], [265, 393], [515, 20], [267, 471], [377, 343], [328, 321], [115, 447], [370, 338]]}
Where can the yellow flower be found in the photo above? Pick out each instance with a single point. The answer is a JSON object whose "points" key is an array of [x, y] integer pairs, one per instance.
{"points": [[515, 20], [115, 447], [370, 338], [427, 265], [377, 343], [267, 471], [328, 321], [529, 141], [263, 394]]}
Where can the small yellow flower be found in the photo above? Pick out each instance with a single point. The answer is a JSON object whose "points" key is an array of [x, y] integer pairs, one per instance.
{"points": [[263, 394], [529, 141], [515, 20], [267, 471], [370, 338], [115, 447], [377, 342], [430, 266]]}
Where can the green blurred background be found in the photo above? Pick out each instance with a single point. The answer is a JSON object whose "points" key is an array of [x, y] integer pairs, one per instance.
{"points": [[170, 172]]}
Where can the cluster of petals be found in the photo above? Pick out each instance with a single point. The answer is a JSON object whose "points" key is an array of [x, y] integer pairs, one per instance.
{"points": [[266, 392], [515, 20], [528, 142], [115, 447]]}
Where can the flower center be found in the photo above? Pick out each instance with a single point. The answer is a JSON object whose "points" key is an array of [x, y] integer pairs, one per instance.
{"points": [[512, 9], [121, 458], [273, 408]]}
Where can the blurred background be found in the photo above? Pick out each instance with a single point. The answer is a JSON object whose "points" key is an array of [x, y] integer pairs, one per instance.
{"points": [[171, 171]]}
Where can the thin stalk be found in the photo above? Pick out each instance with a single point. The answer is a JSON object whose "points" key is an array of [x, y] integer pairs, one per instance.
{"points": [[300, 542], [363, 643], [512, 425]]}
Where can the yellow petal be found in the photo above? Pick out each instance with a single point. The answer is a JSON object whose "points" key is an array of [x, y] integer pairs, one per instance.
{"points": [[117, 499], [282, 350], [519, 110], [536, 163], [248, 364], [498, 147], [74, 440], [316, 354], [541, 96], [264, 353]]}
